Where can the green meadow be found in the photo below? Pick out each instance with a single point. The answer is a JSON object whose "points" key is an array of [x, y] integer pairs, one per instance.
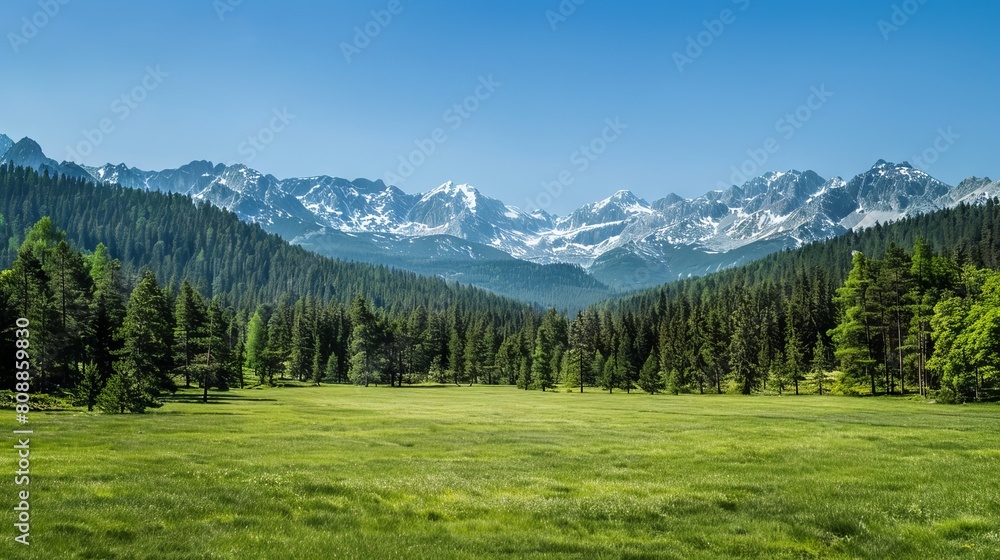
{"points": [[488, 472]]}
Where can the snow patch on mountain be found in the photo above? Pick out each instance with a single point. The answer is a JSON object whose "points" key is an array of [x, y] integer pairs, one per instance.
{"points": [[674, 235], [789, 207]]}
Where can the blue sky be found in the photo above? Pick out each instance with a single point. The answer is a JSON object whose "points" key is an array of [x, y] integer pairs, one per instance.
{"points": [[556, 82]]}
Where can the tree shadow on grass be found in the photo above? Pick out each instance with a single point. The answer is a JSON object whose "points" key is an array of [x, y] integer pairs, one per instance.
{"points": [[192, 398], [281, 385], [439, 386]]}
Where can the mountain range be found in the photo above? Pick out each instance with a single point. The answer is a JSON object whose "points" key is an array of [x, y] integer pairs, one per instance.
{"points": [[620, 243]]}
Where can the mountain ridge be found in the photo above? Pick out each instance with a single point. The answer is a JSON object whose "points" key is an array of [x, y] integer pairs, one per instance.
{"points": [[669, 238]]}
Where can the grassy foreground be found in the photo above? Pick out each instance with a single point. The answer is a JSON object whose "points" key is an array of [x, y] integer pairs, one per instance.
{"points": [[344, 472]]}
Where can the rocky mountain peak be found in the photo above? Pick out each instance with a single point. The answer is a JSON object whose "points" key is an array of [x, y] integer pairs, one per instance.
{"points": [[5, 144], [674, 235]]}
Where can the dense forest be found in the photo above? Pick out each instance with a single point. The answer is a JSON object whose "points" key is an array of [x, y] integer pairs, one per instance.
{"points": [[222, 257], [106, 345], [802, 311], [145, 292], [905, 322]]}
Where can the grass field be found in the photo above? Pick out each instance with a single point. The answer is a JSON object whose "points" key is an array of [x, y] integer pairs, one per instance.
{"points": [[345, 472]]}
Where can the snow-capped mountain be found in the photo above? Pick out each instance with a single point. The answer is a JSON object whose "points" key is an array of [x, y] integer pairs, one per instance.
{"points": [[462, 211], [352, 206], [5, 144], [776, 211], [623, 240], [253, 196]]}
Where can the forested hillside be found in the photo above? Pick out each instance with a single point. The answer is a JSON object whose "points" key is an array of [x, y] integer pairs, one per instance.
{"points": [[970, 234], [909, 307], [218, 254], [894, 308]]}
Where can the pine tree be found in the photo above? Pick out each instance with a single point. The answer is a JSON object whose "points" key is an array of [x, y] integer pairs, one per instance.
{"points": [[895, 275], [90, 387], [794, 358], [508, 359], [418, 344], [475, 352], [524, 379], [456, 359], [488, 354], [189, 320], [696, 354], [745, 345], [541, 360], [610, 373], [237, 329], [317, 363], [279, 336], [717, 352], [72, 289], [127, 391], [331, 370], [302, 343], [628, 373], [147, 333], [365, 343], [650, 378], [854, 336], [932, 275], [582, 342], [597, 368], [629, 362], [820, 366], [438, 339], [779, 374], [214, 372], [107, 311], [256, 349]]}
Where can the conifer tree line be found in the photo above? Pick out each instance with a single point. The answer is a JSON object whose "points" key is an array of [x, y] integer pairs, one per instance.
{"points": [[118, 334], [905, 322], [106, 346], [908, 322], [119, 349], [827, 317]]}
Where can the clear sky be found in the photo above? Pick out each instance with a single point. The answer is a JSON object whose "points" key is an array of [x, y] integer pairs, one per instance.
{"points": [[556, 81]]}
